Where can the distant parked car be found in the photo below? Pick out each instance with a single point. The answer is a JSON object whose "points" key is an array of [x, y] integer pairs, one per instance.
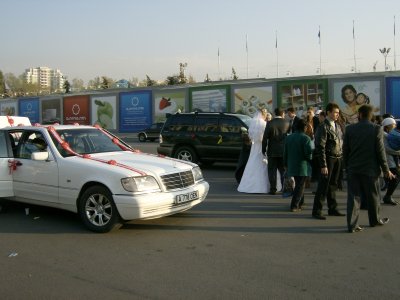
{"points": [[152, 133]]}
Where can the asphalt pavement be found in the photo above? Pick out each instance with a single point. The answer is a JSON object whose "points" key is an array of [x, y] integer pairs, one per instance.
{"points": [[231, 246]]}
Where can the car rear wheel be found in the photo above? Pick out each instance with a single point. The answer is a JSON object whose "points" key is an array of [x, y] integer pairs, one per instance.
{"points": [[97, 210], [186, 153], [142, 137]]}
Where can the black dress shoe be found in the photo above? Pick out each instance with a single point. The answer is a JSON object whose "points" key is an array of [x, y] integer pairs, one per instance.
{"points": [[356, 229], [272, 193], [389, 200], [383, 221], [336, 213], [319, 216]]}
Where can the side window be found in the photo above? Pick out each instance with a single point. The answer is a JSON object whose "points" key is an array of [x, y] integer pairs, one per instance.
{"points": [[3, 144], [31, 142], [230, 125], [206, 124], [181, 123]]}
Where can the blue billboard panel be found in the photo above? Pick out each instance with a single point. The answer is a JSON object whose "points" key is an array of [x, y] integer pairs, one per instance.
{"points": [[29, 108], [393, 96], [135, 111]]}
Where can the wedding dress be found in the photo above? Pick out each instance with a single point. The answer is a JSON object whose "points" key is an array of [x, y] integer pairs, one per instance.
{"points": [[255, 176]]}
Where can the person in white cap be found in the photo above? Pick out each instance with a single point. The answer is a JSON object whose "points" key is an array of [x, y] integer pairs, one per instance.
{"points": [[392, 157]]}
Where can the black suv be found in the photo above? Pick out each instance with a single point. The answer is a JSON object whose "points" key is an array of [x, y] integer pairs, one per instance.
{"points": [[152, 133], [204, 137]]}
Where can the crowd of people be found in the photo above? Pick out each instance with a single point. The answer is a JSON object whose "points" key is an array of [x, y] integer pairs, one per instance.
{"points": [[324, 147]]}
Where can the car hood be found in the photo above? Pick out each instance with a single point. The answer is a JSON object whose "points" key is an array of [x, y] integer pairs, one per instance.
{"points": [[147, 163]]}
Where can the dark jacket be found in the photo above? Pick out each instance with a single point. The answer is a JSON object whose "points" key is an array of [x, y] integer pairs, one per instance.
{"points": [[364, 150], [297, 154], [293, 125], [328, 142], [274, 137]]}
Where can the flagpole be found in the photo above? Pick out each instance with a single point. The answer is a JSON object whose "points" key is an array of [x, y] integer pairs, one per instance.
{"points": [[247, 58], [320, 51], [219, 65], [354, 42], [276, 47], [394, 42]]}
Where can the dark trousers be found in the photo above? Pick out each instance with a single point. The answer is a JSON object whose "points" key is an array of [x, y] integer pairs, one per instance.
{"points": [[327, 186], [362, 186], [274, 164], [298, 193], [393, 183]]}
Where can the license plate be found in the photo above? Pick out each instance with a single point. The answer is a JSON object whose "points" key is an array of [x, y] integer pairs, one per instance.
{"points": [[186, 197]]}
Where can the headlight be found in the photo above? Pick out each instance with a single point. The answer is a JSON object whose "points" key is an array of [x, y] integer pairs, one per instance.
{"points": [[197, 174], [140, 184]]}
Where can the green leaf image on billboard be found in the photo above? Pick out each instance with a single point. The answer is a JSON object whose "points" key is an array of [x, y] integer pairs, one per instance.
{"points": [[103, 111]]}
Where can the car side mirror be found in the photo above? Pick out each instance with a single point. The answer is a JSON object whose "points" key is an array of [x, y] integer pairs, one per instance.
{"points": [[41, 156]]}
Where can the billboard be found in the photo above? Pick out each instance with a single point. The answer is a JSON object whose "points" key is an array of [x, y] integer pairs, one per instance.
{"points": [[8, 108], [76, 110], [210, 99], [249, 100], [168, 102], [51, 111], [104, 111], [29, 108], [350, 94], [393, 96], [135, 111]]}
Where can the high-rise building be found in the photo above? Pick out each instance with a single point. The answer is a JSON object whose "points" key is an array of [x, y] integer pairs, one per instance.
{"points": [[45, 77]]}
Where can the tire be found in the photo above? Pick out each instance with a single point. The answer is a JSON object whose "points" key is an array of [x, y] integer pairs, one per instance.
{"points": [[142, 137], [97, 210], [186, 153]]}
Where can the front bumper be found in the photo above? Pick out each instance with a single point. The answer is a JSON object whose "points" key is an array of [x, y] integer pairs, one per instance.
{"points": [[157, 205]]}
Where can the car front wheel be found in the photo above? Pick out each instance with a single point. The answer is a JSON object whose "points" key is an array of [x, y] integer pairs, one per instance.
{"points": [[97, 210], [186, 153], [142, 137]]}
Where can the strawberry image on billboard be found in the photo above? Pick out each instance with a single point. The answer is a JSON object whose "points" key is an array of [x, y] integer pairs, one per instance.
{"points": [[76, 110]]}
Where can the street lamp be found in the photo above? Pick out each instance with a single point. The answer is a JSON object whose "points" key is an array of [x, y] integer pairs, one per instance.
{"points": [[385, 52]]}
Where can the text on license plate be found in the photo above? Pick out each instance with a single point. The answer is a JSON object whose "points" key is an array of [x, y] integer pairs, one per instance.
{"points": [[187, 197]]}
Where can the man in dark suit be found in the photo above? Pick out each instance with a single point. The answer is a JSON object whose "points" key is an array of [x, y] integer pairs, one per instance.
{"points": [[328, 149], [293, 119], [273, 144], [364, 158]]}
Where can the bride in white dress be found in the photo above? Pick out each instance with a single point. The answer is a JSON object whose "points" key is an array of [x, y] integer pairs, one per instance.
{"points": [[255, 175]]}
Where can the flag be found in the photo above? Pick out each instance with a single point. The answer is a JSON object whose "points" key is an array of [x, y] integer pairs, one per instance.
{"points": [[319, 35], [247, 49], [353, 31], [276, 40], [394, 26]]}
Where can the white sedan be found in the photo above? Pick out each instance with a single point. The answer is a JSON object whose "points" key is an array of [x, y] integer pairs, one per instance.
{"points": [[87, 170]]}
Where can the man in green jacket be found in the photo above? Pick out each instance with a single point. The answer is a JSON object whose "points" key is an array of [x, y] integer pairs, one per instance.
{"points": [[297, 156]]}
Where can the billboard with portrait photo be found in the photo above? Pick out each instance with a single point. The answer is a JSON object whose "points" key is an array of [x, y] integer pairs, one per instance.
{"points": [[350, 94]]}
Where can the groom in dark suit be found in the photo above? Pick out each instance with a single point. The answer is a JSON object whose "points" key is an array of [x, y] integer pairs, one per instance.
{"points": [[273, 144], [364, 158]]}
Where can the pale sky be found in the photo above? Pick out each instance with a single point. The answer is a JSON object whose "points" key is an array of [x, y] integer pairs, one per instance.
{"points": [[128, 38]]}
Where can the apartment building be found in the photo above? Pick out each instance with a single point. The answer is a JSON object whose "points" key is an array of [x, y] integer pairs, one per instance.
{"points": [[45, 77]]}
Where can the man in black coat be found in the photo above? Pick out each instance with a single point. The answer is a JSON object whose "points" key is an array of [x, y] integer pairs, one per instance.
{"points": [[328, 149], [364, 158], [293, 119], [273, 144]]}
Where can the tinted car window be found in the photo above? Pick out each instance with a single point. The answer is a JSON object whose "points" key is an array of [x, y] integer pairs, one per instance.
{"points": [[206, 124], [181, 123], [230, 125], [3, 145]]}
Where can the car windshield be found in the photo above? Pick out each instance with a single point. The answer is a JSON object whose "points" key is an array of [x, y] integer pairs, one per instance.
{"points": [[246, 119], [85, 141]]}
